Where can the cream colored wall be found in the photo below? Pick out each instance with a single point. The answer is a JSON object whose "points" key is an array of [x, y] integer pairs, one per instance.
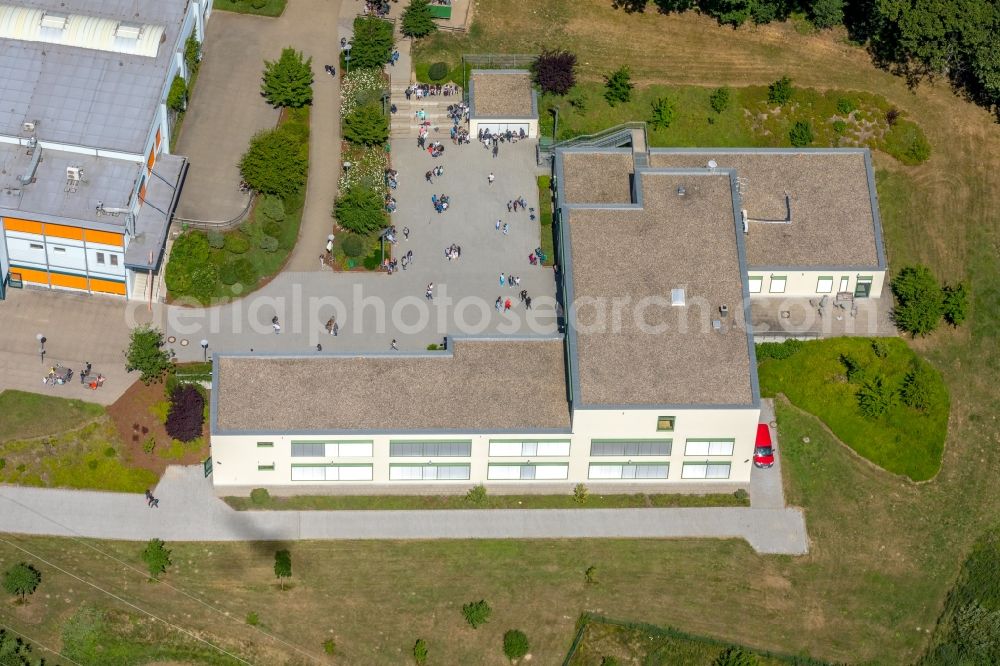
{"points": [[803, 283]]}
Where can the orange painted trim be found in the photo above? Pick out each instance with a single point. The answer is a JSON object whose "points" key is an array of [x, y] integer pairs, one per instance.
{"points": [[71, 281], [158, 138], [104, 237], [107, 286], [152, 159], [29, 275], [142, 193], [24, 226], [60, 231]]}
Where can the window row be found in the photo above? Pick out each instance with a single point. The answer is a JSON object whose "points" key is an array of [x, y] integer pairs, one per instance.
{"points": [[629, 470], [527, 472], [328, 449], [438, 449], [532, 472], [708, 447], [430, 449], [429, 472], [543, 449], [824, 284], [331, 472], [638, 447]]}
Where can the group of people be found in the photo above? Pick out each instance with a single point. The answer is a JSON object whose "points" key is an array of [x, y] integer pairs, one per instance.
{"points": [[441, 202], [421, 90], [391, 178], [378, 8], [436, 171], [332, 327], [453, 251], [503, 304], [435, 148], [494, 139]]}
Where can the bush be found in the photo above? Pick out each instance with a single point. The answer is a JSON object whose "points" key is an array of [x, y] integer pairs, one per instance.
{"points": [[227, 274], [372, 43], [268, 243], [216, 240], [664, 113], [955, 304], [880, 348], [260, 496], [476, 613], [190, 251], [417, 20], [366, 126], [360, 209], [420, 652], [437, 71], [330, 646], [187, 413], [741, 494], [801, 133], [287, 81], [919, 301], [272, 228], [854, 369], [845, 106], [918, 385], [720, 99], [590, 575], [476, 495], [778, 350], [192, 54], [515, 644], [554, 71], [579, 101], [246, 271], [146, 353], [21, 580], [253, 619], [178, 94], [875, 397], [618, 86], [826, 13], [276, 163], [580, 493], [236, 243], [781, 91], [839, 126], [735, 656], [272, 209], [892, 116], [353, 245], [156, 556], [149, 444]]}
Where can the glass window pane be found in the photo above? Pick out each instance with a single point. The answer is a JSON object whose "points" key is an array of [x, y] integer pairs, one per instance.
{"points": [[529, 448], [718, 471], [356, 450], [755, 282], [824, 285], [696, 448], [694, 471], [356, 473], [404, 473], [502, 472], [777, 285], [509, 449], [308, 473], [605, 471], [553, 448], [551, 471], [720, 448]]}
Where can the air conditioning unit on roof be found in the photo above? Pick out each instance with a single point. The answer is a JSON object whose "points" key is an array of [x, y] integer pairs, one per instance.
{"points": [[74, 173], [128, 31]]}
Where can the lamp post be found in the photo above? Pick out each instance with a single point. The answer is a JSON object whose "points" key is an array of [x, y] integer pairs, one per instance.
{"points": [[41, 346], [204, 350], [555, 123]]}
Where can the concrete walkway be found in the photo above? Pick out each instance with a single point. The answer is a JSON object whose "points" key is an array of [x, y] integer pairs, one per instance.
{"points": [[190, 512]]}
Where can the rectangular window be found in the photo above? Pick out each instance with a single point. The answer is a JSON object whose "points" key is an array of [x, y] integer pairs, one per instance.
{"points": [[36, 246], [331, 472], [863, 287], [527, 472], [332, 449], [844, 281], [114, 259], [754, 283], [778, 284], [708, 447], [430, 449], [824, 285], [308, 449], [58, 249], [265, 445], [429, 472], [627, 470], [265, 468], [100, 257], [528, 449], [705, 470], [665, 423], [639, 447]]}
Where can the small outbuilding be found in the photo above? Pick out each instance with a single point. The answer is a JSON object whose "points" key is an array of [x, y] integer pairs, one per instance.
{"points": [[502, 100]]}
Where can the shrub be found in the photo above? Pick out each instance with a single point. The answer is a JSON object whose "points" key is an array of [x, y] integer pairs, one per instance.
{"points": [[253, 619], [735, 656], [590, 575], [845, 106], [907, 143], [437, 71], [190, 251], [880, 348], [579, 101], [246, 271], [268, 243], [146, 354], [288, 80], [580, 493], [417, 20], [227, 274], [236, 243], [420, 652], [353, 245], [216, 240], [618, 86], [919, 301], [892, 116], [839, 126], [476, 613], [360, 209], [433, 347], [203, 280], [476, 495], [272, 209], [260, 496], [272, 228], [515, 644], [110, 452], [778, 350], [875, 397], [917, 386], [854, 369], [276, 163], [554, 71], [372, 42], [741, 494], [149, 444], [955, 304], [156, 555], [366, 126], [781, 91], [192, 53], [330, 646], [187, 413], [178, 94], [801, 133], [664, 113], [720, 99], [826, 13]]}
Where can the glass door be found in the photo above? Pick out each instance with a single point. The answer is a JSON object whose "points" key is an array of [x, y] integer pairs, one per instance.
{"points": [[863, 288]]}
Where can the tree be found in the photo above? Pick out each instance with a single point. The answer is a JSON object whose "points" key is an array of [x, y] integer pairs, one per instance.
{"points": [[875, 397], [372, 43], [156, 556], [288, 80], [515, 644], [366, 126], [554, 71], [192, 54], [186, 417], [729, 12], [21, 580], [146, 354], [781, 91], [801, 133], [282, 566], [275, 163], [177, 96], [15, 651], [664, 113], [735, 656], [918, 386], [826, 13], [420, 652], [360, 209], [477, 613], [618, 86], [417, 20], [955, 304], [919, 301], [720, 99]]}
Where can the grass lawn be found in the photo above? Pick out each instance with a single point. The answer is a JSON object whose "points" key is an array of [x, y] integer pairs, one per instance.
{"points": [[25, 415], [904, 441], [259, 7], [406, 502]]}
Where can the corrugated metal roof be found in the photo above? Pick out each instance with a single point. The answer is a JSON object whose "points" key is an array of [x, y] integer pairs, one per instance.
{"points": [[33, 24]]}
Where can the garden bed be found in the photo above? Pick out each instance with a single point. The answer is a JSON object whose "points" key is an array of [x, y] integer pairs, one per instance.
{"points": [[258, 7]]}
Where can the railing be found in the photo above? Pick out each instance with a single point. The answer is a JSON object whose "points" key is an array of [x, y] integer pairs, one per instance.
{"points": [[619, 135], [220, 225]]}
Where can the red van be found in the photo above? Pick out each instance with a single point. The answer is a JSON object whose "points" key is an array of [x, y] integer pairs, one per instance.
{"points": [[763, 452]]}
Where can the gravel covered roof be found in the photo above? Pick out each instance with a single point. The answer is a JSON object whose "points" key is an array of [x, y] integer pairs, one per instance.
{"points": [[482, 385], [597, 177], [501, 94], [831, 213], [673, 241]]}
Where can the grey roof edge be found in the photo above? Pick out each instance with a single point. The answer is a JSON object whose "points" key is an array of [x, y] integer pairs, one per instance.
{"points": [[452, 432], [814, 268], [876, 217], [566, 275], [162, 241], [69, 221], [741, 253], [695, 405], [750, 150]]}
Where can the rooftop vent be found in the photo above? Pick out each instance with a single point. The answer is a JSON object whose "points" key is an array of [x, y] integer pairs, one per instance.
{"points": [[717, 326], [712, 164], [128, 31], [54, 21], [724, 310], [74, 174], [677, 297], [28, 127]]}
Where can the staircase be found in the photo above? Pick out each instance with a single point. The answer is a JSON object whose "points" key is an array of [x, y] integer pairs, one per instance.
{"points": [[405, 124]]}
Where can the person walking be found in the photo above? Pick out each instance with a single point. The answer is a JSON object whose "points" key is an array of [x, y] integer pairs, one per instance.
{"points": [[330, 324], [149, 497], [502, 279], [509, 205], [506, 305], [430, 292], [490, 178], [275, 325], [527, 303], [155, 503], [506, 228], [498, 224], [336, 329], [406, 233], [319, 347], [393, 346], [498, 304]]}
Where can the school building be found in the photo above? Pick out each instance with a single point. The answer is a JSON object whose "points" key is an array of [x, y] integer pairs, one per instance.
{"points": [[88, 184]]}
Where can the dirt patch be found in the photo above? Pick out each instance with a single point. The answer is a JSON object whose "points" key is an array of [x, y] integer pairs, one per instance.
{"points": [[135, 420]]}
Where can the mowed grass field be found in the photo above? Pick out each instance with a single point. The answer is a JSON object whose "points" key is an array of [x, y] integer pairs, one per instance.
{"points": [[884, 552]]}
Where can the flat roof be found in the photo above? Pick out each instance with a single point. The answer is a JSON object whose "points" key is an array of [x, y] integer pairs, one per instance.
{"points": [[830, 195], [479, 385], [603, 177], [83, 96], [51, 199], [145, 249], [501, 93], [662, 354]]}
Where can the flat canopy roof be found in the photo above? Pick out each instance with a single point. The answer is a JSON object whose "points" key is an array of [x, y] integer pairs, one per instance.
{"points": [[503, 93], [680, 235], [807, 208], [481, 385]]}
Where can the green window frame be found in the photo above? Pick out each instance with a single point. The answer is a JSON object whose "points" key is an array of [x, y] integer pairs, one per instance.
{"points": [[665, 423], [265, 445], [784, 284], [759, 279], [265, 468]]}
